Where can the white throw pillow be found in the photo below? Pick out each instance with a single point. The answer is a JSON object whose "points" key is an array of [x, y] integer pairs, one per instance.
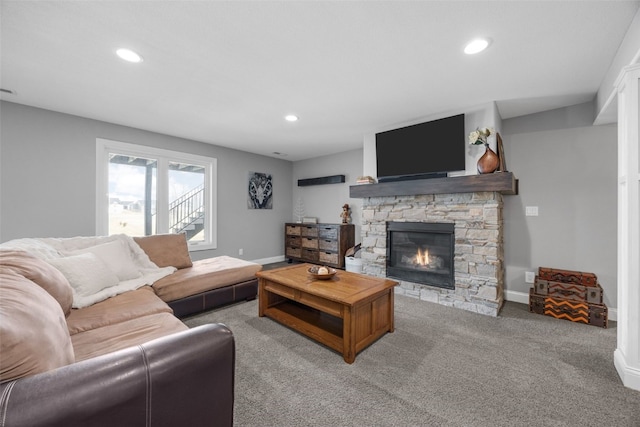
{"points": [[116, 256], [86, 273]]}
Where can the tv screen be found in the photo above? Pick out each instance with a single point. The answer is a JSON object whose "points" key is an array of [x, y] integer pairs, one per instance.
{"points": [[423, 150]]}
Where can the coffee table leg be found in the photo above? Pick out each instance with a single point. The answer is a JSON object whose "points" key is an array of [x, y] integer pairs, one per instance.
{"points": [[262, 298], [391, 311], [348, 336]]}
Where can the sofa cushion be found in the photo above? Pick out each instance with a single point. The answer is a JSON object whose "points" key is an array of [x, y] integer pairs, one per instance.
{"points": [[106, 339], [33, 331], [166, 250], [120, 308], [204, 275], [116, 256], [42, 273]]}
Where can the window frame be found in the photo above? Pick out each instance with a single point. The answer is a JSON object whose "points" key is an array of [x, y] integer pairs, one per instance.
{"points": [[163, 156]]}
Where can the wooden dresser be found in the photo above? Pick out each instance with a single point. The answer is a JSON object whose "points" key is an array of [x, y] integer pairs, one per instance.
{"points": [[323, 244]]}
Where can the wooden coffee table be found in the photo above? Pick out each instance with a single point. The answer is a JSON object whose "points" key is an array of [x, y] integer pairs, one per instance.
{"points": [[346, 313]]}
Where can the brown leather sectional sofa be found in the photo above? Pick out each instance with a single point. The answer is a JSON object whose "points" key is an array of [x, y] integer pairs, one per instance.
{"points": [[126, 360]]}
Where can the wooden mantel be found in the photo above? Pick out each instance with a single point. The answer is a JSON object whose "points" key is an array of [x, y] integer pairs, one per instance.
{"points": [[502, 182]]}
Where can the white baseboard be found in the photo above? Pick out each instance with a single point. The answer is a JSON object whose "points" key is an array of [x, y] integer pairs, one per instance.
{"points": [[630, 377], [515, 296], [271, 260], [523, 298]]}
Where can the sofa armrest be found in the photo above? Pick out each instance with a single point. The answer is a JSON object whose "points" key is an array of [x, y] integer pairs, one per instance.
{"points": [[186, 378]]}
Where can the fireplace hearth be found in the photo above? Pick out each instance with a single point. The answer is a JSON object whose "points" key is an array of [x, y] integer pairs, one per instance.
{"points": [[421, 252]]}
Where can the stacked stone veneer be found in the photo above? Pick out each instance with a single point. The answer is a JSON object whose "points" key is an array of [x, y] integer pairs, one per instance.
{"points": [[478, 252]]}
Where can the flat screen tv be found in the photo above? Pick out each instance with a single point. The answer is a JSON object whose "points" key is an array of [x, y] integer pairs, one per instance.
{"points": [[425, 150]]}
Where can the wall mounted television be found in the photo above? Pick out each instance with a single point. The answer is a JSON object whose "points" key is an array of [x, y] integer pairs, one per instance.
{"points": [[424, 150]]}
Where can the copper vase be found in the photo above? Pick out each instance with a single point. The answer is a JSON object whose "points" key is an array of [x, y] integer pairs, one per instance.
{"points": [[489, 161]]}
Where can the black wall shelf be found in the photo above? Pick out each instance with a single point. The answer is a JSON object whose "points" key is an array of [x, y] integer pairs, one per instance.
{"points": [[333, 179]]}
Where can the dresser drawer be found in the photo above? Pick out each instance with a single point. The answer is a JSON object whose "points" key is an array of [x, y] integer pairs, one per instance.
{"points": [[295, 241], [309, 231], [293, 230], [310, 255], [328, 258], [293, 252], [328, 232], [328, 245], [308, 242]]}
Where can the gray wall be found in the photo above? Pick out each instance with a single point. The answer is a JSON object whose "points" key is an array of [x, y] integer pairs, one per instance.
{"points": [[325, 201], [568, 168], [565, 166], [48, 181]]}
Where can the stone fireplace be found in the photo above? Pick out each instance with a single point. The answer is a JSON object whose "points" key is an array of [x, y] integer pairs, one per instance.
{"points": [[472, 204], [476, 220]]}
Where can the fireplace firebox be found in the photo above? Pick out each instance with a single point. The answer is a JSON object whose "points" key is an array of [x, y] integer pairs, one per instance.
{"points": [[421, 252]]}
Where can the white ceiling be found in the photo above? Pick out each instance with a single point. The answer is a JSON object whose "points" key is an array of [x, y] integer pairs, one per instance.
{"points": [[226, 72]]}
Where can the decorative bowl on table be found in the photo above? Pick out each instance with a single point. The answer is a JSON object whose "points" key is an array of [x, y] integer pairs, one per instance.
{"points": [[321, 273]]}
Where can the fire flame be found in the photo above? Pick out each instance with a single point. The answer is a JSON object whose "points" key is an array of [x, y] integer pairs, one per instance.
{"points": [[422, 258]]}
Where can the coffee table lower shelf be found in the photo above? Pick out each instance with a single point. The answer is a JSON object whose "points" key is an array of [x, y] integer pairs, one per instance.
{"points": [[322, 327]]}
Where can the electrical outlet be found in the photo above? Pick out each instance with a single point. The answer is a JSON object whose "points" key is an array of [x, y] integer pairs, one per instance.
{"points": [[529, 277], [531, 211], [240, 251]]}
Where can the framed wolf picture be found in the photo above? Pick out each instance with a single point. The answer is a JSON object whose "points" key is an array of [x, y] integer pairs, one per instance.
{"points": [[260, 194]]}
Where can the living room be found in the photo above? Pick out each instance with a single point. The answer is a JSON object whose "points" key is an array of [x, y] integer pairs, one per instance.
{"points": [[564, 157]]}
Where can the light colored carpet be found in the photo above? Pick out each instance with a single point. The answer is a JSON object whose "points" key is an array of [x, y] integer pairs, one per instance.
{"points": [[441, 367]]}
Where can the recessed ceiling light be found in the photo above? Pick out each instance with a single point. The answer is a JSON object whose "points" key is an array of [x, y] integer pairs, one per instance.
{"points": [[291, 118], [129, 55], [476, 46]]}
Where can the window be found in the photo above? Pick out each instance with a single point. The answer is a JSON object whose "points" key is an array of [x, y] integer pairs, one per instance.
{"points": [[143, 191]]}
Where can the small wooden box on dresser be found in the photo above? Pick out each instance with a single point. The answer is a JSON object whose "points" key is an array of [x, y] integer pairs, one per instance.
{"points": [[323, 244]]}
